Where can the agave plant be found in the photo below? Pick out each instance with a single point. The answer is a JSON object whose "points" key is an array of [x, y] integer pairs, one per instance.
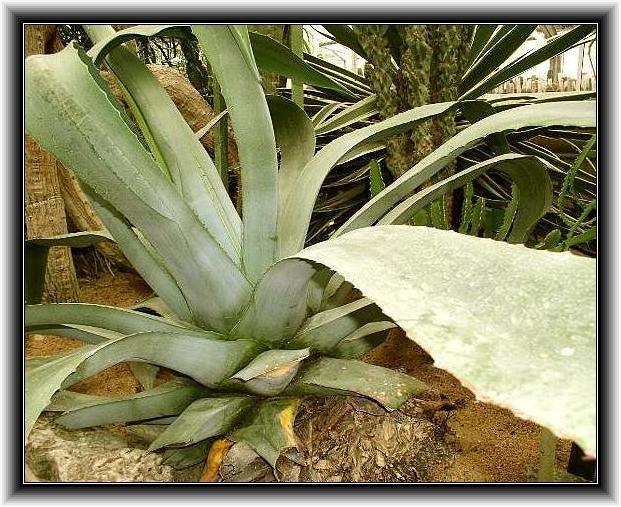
{"points": [[253, 322]]}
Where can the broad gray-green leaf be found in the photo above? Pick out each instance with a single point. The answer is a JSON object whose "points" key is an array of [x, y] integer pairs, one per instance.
{"points": [[142, 256], [502, 318], [323, 331], [114, 319], [577, 114], [270, 428], [207, 417], [44, 377], [145, 373], [294, 214], [228, 56], [204, 359], [295, 138], [528, 173], [278, 304], [166, 400], [70, 114], [388, 387], [183, 457]]}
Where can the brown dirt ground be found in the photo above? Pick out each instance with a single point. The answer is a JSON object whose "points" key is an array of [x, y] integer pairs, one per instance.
{"points": [[490, 444]]}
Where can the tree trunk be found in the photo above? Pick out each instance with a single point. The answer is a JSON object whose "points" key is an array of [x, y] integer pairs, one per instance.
{"points": [[44, 206]]}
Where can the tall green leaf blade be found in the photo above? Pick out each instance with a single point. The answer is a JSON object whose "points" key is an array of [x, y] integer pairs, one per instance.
{"points": [[552, 48], [294, 215], [501, 318], [356, 112], [278, 58], [497, 54], [253, 128], [578, 114], [295, 138], [482, 35]]}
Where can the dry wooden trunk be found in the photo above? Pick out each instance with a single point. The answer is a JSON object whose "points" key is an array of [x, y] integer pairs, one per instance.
{"points": [[44, 206]]}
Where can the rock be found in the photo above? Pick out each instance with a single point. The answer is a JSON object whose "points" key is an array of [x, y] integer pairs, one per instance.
{"points": [[102, 454]]}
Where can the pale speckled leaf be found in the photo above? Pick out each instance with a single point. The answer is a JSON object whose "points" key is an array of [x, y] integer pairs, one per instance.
{"points": [[516, 325], [270, 428], [388, 387], [208, 417]]}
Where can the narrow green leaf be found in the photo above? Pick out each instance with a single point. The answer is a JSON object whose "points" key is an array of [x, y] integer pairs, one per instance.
{"points": [[343, 34], [362, 340], [294, 215], [528, 173], [376, 181], [205, 418], [509, 213], [184, 457], [579, 114], [253, 128], [166, 400], [359, 111], [552, 47]]}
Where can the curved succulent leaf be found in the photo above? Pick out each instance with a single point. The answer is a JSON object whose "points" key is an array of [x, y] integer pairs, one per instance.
{"points": [[362, 340], [270, 428], [179, 150], [323, 331], [295, 138], [278, 304], [579, 114], [162, 401], [295, 213], [533, 354], [528, 173], [115, 319], [205, 418], [183, 457], [71, 115], [326, 375], [142, 256]]}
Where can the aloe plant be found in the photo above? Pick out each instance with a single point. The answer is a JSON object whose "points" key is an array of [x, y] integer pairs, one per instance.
{"points": [[253, 322]]}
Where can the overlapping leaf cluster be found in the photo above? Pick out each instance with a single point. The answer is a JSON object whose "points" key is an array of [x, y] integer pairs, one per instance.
{"points": [[255, 322]]}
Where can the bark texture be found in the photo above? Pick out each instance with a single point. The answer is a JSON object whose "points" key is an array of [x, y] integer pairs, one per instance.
{"points": [[44, 206]]}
